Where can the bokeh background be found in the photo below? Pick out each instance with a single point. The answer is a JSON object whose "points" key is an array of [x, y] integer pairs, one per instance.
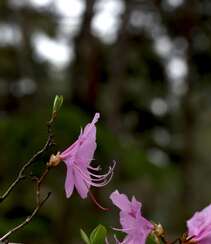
{"points": [[145, 65]]}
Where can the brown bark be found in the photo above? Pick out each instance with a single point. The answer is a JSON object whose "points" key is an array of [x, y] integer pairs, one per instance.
{"points": [[87, 65]]}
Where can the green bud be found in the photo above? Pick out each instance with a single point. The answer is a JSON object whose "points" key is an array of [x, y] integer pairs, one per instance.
{"points": [[58, 101]]}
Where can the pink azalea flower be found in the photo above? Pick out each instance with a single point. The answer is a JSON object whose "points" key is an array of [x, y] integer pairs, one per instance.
{"points": [[133, 223], [199, 227], [78, 158]]}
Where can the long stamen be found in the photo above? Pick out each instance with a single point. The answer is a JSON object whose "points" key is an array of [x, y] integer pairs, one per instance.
{"points": [[123, 230], [94, 168], [88, 178], [96, 202], [103, 175], [106, 240], [90, 181], [110, 170], [97, 168], [95, 182], [189, 238]]}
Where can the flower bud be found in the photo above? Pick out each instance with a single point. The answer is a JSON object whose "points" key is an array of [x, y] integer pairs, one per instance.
{"points": [[54, 160], [158, 230]]}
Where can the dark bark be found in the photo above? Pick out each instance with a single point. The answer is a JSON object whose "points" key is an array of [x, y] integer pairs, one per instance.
{"points": [[87, 65], [117, 71]]}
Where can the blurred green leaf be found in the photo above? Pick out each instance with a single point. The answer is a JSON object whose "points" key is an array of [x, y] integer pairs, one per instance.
{"points": [[151, 240], [98, 235], [84, 237]]}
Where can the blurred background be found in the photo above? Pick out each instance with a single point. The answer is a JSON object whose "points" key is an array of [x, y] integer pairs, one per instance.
{"points": [[145, 65]]}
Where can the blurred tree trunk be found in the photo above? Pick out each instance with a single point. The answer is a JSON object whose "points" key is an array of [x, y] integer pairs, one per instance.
{"points": [[17, 58], [25, 50], [188, 155], [86, 70], [118, 71], [189, 115]]}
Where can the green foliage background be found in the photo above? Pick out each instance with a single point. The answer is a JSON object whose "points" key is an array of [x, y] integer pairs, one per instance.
{"points": [[162, 158]]}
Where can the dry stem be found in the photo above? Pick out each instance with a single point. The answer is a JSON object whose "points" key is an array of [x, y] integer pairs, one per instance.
{"points": [[38, 183], [26, 221], [34, 158]]}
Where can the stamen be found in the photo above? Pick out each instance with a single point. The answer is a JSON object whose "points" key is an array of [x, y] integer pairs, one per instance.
{"points": [[123, 230], [94, 168], [110, 169], [88, 178], [101, 176], [90, 182], [190, 238], [95, 182], [106, 240]]}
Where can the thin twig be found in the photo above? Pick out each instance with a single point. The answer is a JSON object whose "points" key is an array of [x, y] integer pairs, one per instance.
{"points": [[34, 158], [39, 203], [163, 239], [39, 182], [175, 241], [27, 220]]}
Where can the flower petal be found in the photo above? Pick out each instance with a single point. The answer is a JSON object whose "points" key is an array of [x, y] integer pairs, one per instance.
{"points": [[120, 200], [69, 182], [81, 186], [89, 128], [128, 222], [70, 152], [86, 150], [133, 223], [199, 226]]}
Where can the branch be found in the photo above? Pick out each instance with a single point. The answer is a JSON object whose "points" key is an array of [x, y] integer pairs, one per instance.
{"points": [[38, 180], [39, 203], [163, 239], [34, 158], [27, 220]]}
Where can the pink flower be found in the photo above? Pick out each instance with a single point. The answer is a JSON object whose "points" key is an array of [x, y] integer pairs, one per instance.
{"points": [[78, 157], [133, 223], [199, 227]]}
